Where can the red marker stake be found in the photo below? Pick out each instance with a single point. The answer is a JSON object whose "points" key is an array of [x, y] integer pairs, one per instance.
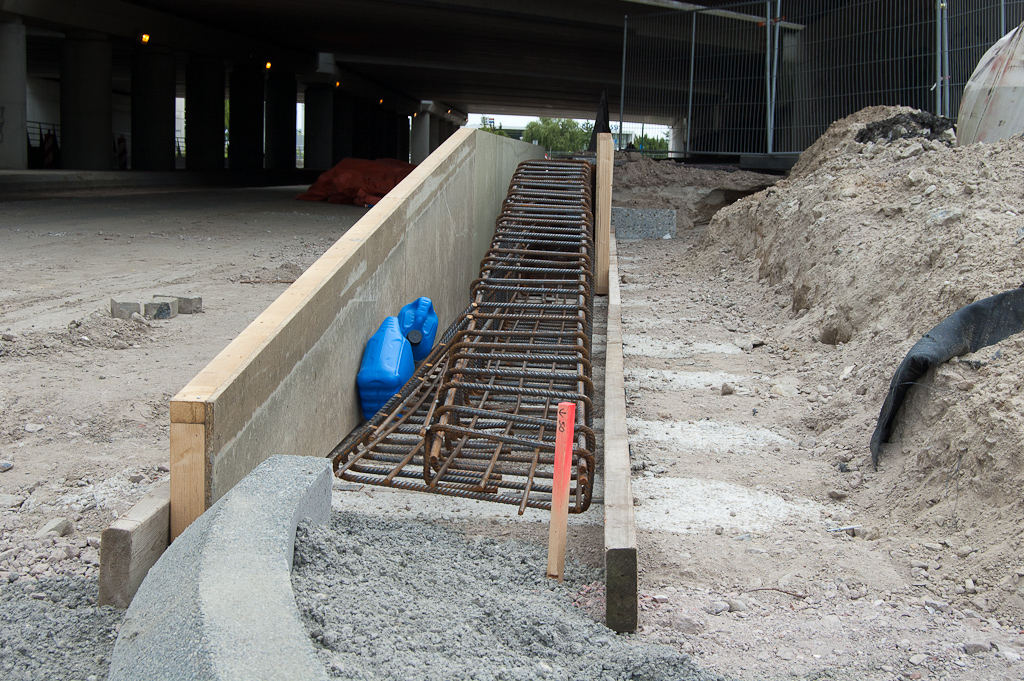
{"points": [[560, 491]]}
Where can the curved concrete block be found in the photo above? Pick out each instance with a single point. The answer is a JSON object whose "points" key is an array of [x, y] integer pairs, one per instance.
{"points": [[219, 602]]}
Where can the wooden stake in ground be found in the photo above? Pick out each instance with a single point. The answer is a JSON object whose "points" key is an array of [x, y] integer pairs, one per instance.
{"points": [[603, 210], [560, 490]]}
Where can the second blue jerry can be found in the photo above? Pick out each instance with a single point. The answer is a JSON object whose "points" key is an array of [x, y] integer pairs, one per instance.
{"points": [[419, 324], [387, 365]]}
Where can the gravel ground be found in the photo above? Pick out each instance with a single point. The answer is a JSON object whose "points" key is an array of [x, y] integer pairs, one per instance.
{"points": [[386, 599], [52, 629]]}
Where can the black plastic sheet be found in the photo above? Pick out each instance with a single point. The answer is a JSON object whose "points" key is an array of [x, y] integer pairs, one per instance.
{"points": [[972, 327]]}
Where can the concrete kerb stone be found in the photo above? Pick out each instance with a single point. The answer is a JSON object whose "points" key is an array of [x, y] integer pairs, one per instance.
{"points": [[219, 602]]}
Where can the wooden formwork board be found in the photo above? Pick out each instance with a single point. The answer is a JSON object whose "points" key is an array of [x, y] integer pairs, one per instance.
{"points": [[621, 586], [131, 545]]}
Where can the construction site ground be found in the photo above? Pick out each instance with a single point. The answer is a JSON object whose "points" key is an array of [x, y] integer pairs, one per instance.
{"points": [[759, 345]]}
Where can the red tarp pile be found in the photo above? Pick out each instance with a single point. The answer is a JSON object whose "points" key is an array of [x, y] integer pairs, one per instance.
{"points": [[359, 181]]}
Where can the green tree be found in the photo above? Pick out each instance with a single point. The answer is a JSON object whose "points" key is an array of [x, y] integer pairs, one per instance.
{"points": [[559, 134], [487, 126], [651, 145]]}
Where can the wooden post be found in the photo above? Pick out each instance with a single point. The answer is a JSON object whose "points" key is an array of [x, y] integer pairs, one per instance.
{"points": [[560, 490], [188, 464], [603, 210]]}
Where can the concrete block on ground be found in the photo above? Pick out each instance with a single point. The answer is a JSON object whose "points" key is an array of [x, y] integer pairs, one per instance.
{"points": [[186, 304], [119, 310], [219, 603], [62, 526], [161, 309], [643, 223]]}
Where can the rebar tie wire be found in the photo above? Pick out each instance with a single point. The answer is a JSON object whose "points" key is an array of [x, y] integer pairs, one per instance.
{"points": [[477, 419]]}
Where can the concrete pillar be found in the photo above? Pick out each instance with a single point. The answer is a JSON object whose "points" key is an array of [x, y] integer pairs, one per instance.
{"points": [[86, 111], [319, 121], [367, 129], [154, 72], [341, 125], [13, 96], [389, 122], [435, 132], [420, 137], [280, 120], [204, 113], [677, 138], [402, 125], [245, 117]]}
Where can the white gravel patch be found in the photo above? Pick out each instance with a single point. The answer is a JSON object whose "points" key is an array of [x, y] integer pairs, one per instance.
{"points": [[116, 493], [689, 505], [704, 436], [634, 345], [664, 379]]}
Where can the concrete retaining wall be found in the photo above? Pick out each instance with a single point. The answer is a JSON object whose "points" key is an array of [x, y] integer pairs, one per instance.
{"points": [[287, 383]]}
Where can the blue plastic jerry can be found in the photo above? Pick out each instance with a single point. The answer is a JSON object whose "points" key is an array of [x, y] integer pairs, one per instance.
{"points": [[419, 325], [387, 365]]}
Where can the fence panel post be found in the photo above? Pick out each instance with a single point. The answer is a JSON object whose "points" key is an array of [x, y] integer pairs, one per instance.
{"points": [[622, 86]]}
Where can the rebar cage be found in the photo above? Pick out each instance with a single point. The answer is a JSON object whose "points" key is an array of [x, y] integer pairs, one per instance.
{"points": [[478, 417]]}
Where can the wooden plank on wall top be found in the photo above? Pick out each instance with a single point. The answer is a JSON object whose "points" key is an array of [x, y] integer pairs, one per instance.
{"points": [[603, 210]]}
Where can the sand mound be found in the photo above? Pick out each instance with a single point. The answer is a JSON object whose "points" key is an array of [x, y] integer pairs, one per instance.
{"points": [[871, 245], [695, 192]]}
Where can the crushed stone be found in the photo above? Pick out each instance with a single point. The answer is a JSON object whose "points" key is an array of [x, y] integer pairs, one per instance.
{"points": [[53, 629], [385, 599]]}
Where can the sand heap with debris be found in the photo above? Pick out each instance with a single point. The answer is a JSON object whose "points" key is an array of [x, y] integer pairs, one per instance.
{"points": [[695, 192], [868, 245]]}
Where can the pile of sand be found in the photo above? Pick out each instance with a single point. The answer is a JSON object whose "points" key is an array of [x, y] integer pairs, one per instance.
{"points": [[695, 192], [97, 330], [871, 245]]}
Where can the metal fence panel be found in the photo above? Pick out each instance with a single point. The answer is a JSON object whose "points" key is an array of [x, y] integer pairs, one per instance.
{"points": [[770, 76], [728, 115], [973, 26]]}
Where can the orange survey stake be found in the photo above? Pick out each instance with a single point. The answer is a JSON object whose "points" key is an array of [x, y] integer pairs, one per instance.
{"points": [[560, 490]]}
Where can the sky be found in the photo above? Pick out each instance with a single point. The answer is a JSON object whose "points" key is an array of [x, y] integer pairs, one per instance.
{"points": [[506, 121]]}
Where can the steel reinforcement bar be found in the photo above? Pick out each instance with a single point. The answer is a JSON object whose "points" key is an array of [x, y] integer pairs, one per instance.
{"points": [[478, 417]]}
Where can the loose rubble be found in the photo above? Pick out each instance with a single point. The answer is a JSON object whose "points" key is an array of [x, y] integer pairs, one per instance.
{"points": [[53, 629]]}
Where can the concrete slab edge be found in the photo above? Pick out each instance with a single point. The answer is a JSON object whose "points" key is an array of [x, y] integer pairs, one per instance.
{"points": [[218, 604], [621, 569], [27, 184]]}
